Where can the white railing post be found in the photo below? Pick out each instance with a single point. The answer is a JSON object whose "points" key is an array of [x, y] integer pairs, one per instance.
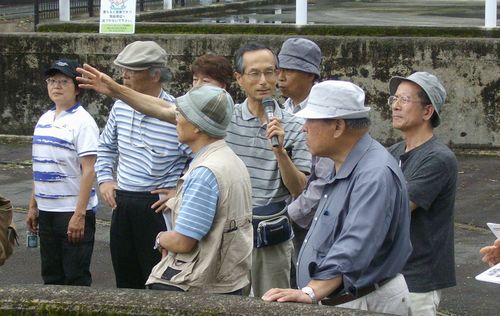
{"points": [[490, 14], [301, 12], [64, 10], [167, 4]]}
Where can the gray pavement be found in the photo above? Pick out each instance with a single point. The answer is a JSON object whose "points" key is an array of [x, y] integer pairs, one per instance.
{"points": [[478, 202], [450, 13]]}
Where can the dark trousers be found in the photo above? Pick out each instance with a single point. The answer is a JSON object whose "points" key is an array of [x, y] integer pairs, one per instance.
{"points": [[63, 262], [134, 226]]}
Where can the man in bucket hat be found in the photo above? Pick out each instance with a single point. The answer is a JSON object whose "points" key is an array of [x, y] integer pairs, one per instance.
{"points": [[299, 62], [149, 160], [210, 248], [359, 239], [430, 169]]}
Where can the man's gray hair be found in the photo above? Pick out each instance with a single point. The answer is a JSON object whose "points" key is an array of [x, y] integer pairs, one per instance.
{"points": [[357, 123], [250, 47], [164, 72]]}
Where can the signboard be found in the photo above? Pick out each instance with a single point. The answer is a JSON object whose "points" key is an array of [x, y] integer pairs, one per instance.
{"points": [[117, 16]]}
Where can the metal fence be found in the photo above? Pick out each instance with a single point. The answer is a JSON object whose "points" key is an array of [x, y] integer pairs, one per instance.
{"points": [[49, 9]]}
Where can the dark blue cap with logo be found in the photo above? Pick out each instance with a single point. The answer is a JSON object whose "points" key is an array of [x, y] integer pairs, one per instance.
{"points": [[65, 66]]}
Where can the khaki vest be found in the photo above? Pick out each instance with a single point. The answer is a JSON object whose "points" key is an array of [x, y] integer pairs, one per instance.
{"points": [[221, 260]]}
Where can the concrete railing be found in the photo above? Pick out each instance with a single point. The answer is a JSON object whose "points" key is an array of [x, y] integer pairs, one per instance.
{"points": [[468, 68], [74, 300]]}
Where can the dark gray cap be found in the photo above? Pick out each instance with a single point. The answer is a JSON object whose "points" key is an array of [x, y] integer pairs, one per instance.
{"points": [[300, 54], [65, 66], [431, 86], [207, 107], [141, 55]]}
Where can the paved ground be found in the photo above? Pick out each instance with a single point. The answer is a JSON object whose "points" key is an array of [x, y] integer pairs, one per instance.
{"points": [[478, 202]]}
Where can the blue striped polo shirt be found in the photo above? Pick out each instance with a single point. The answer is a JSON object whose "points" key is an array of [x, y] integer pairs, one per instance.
{"points": [[199, 203], [147, 151]]}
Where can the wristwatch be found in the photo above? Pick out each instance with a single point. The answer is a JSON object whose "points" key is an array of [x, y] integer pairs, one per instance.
{"points": [[157, 242], [310, 292]]}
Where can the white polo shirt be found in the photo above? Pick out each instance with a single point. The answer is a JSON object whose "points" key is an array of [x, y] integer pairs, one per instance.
{"points": [[58, 144]]}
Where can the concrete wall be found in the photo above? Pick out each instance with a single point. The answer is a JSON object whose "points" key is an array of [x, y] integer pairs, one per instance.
{"points": [[469, 69], [75, 300]]}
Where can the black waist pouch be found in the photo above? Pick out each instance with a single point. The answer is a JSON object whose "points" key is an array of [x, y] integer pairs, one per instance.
{"points": [[273, 231]]}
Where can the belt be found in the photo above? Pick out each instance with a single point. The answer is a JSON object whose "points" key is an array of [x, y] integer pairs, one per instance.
{"points": [[344, 296], [136, 194], [269, 211]]}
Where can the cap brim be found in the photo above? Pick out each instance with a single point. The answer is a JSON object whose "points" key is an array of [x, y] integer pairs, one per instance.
{"points": [[394, 83], [130, 67], [288, 62], [64, 71], [308, 113]]}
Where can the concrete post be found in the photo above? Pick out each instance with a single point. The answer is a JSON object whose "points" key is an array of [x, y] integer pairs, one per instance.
{"points": [[490, 14], [167, 4], [301, 12], [64, 10]]}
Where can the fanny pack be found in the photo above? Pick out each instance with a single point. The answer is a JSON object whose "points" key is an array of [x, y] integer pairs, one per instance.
{"points": [[271, 229]]}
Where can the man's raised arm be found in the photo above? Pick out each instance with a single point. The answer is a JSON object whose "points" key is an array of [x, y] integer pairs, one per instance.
{"points": [[100, 82]]}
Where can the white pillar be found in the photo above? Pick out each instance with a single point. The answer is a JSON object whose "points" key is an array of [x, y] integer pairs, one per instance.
{"points": [[64, 8], [301, 12], [167, 4], [490, 14]]}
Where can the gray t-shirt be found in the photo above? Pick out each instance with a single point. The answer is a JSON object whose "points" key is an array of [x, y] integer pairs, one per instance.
{"points": [[431, 174]]}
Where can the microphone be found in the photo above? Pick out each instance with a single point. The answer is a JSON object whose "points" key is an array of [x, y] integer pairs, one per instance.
{"points": [[268, 104]]}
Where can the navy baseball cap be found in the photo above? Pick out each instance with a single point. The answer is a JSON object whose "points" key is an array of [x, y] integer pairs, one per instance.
{"points": [[65, 66]]}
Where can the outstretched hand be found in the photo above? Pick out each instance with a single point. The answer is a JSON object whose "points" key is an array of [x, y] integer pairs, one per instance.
{"points": [[491, 254], [98, 81]]}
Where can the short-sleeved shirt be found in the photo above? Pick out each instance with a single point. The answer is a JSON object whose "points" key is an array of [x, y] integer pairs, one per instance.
{"points": [[246, 135], [147, 151], [199, 204], [361, 226], [431, 174], [58, 144]]}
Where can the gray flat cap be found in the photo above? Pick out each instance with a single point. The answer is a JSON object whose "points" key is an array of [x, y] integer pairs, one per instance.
{"points": [[431, 86], [300, 54], [141, 55]]}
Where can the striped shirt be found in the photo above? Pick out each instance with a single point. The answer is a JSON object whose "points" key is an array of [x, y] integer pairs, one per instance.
{"points": [[148, 152], [58, 144], [246, 136], [200, 194]]}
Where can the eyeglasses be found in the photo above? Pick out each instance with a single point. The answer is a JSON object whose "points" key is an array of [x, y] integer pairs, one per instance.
{"points": [[256, 75], [61, 82], [403, 99]]}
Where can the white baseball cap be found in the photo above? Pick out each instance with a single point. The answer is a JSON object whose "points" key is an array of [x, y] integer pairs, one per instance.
{"points": [[335, 99]]}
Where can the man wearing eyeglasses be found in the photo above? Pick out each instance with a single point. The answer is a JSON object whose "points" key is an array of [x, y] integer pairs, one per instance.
{"points": [[276, 172], [149, 161], [430, 169]]}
